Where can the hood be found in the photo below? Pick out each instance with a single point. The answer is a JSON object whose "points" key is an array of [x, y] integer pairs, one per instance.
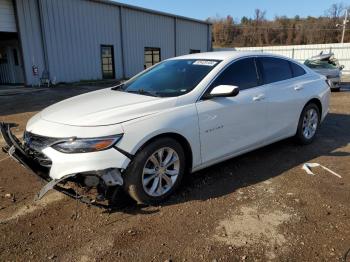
{"points": [[104, 107]]}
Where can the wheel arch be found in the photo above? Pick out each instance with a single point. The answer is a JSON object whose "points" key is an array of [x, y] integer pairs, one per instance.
{"points": [[317, 102], [179, 138]]}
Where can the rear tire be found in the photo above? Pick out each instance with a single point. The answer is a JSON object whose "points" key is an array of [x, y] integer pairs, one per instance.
{"points": [[308, 124], [155, 172]]}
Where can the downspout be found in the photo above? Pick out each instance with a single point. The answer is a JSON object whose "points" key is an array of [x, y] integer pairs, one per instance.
{"points": [[122, 39], [43, 39], [209, 43], [175, 36]]}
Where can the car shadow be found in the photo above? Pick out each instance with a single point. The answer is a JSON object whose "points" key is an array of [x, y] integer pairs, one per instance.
{"points": [[260, 165]]}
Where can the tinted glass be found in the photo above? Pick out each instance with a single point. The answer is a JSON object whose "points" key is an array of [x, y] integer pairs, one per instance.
{"points": [[297, 70], [241, 73], [171, 78], [274, 69]]}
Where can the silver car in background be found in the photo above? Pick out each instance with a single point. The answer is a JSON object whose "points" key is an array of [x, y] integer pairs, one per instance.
{"points": [[327, 65]]}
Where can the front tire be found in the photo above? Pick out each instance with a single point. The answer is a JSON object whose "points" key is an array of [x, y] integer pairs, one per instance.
{"points": [[308, 124], [156, 171]]}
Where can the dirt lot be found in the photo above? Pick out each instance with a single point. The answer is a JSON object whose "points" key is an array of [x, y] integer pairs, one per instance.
{"points": [[257, 207]]}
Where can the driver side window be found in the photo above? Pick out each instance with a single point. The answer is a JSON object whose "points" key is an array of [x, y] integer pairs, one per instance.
{"points": [[242, 73]]}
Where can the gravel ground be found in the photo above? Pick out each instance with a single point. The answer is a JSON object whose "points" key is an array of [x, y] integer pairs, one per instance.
{"points": [[256, 207]]}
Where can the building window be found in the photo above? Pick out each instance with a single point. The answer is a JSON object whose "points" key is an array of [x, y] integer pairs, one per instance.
{"points": [[107, 60], [152, 56], [15, 57], [194, 51]]}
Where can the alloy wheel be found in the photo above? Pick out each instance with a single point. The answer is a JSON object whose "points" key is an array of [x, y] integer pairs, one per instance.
{"points": [[160, 172], [310, 123]]}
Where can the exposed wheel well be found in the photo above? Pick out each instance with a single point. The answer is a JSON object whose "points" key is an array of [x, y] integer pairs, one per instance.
{"points": [[317, 103], [183, 142]]}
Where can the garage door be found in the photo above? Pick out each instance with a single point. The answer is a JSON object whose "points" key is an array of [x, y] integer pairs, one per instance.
{"points": [[7, 16]]}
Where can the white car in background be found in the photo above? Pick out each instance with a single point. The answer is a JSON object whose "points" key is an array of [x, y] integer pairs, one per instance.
{"points": [[179, 116], [327, 65]]}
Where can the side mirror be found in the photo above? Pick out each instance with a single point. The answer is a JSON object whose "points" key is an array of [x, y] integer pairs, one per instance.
{"points": [[341, 67], [223, 91]]}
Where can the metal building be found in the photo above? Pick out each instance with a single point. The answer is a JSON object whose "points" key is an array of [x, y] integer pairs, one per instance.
{"points": [[74, 40]]}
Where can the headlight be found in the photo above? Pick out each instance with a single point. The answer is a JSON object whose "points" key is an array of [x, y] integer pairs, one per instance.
{"points": [[85, 145]]}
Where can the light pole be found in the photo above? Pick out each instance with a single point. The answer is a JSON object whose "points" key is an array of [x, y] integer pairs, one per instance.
{"points": [[344, 25]]}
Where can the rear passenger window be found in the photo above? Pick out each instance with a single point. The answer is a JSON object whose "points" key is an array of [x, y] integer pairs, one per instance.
{"points": [[274, 69], [297, 70], [241, 73]]}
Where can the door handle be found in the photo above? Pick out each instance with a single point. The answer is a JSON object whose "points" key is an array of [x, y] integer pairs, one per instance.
{"points": [[259, 97], [298, 88]]}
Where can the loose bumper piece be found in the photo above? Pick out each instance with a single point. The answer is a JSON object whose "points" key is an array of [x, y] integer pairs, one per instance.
{"points": [[23, 155]]}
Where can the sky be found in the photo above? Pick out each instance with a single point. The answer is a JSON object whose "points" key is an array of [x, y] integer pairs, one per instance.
{"points": [[202, 9]]}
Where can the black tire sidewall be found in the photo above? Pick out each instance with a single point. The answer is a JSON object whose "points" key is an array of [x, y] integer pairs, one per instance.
{"points": [[299, 135], [133, 174]]}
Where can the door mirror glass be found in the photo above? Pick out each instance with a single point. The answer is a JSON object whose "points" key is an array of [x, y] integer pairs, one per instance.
{"points": [[224, 91]]}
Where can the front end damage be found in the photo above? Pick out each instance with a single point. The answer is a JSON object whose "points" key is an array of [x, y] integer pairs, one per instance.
{"points": [[93, 187]]}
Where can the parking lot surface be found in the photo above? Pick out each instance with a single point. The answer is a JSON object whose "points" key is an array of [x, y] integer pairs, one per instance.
{"points": [[256, 207]]}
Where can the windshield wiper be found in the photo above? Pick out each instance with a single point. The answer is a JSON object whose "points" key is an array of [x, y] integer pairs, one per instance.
{"points": [[143, 92], [118, 87]]}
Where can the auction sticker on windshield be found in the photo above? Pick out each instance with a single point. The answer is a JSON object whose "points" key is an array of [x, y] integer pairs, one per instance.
{"points": [[205, 62]]}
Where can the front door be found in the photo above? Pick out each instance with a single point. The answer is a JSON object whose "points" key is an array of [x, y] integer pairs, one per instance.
{"points": [[229, 125]]}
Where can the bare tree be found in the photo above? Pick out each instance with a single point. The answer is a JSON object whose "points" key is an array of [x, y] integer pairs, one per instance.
{"points": [[335, 11], [258, 31]]}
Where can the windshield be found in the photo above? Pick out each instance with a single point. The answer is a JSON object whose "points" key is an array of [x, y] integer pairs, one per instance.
{"points": [[321, 64], [171, 78]]}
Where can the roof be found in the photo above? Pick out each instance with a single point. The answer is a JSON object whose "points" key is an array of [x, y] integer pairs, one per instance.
{"points": [[321, 56], [225, 55], [110, 2]]}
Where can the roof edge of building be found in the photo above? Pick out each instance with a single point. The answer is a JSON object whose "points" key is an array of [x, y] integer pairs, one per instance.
{"points": [[110, 2]]}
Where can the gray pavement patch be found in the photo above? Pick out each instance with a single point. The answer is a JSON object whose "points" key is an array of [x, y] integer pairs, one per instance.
{"points": [[20, 91]]}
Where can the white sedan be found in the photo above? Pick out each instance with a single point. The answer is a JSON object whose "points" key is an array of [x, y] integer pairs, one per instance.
{"points": [[177, 117]]}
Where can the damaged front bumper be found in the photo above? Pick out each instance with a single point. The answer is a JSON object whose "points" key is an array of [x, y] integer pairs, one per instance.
{"points": [[58, 173]]}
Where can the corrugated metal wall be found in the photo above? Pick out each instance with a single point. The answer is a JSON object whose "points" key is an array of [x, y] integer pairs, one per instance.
{"points": [[142, 30], [72, 32], [191, 35], [7, 16], [31, 40], [303, 52]]}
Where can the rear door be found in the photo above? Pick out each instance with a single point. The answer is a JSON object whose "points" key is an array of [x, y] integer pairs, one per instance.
{"points": [[284, 89], [229, 125]]}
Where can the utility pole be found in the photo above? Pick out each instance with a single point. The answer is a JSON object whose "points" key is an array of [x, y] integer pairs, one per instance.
{"points": [[344, 25]]}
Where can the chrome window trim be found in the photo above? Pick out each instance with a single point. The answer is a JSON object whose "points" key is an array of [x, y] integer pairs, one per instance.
{"points": [[256, 66]]}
